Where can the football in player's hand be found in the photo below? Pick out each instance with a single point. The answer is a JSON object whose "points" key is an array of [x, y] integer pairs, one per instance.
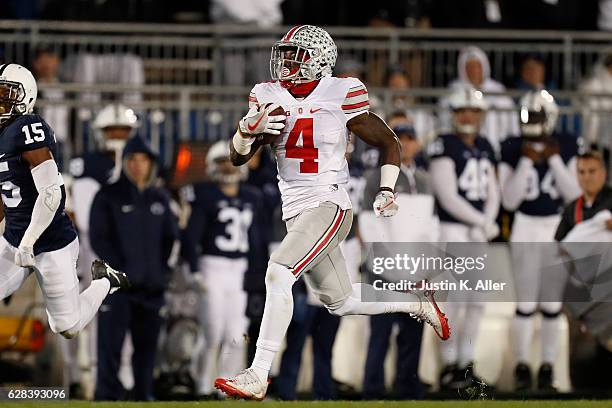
{"points": [[265, 138]]}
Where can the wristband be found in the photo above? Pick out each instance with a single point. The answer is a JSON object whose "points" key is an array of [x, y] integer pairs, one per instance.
{"points": [[388, 175]]}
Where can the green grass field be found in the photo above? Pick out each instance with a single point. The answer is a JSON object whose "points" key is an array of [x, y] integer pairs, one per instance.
{"points": [[311, 404]]}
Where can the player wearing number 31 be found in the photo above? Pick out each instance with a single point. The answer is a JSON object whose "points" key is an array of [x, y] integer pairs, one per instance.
{"points": [[39, 237], [310, 145]]}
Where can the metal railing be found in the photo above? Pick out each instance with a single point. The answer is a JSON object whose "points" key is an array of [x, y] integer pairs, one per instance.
{"points": [[221, 54], [170, 114]]}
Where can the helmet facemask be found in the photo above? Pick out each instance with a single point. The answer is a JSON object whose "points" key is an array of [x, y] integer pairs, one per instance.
{"points": [[293, 63], [12, 96], [305, 54], [533, 123], [220, 170], [469, 127]]}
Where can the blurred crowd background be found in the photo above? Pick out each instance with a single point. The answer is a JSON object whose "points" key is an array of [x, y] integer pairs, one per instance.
{"points": [[185, 71]]}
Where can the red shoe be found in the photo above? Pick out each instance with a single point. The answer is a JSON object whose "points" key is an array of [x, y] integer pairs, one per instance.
{"points": [[245, 385], [430, 312]]}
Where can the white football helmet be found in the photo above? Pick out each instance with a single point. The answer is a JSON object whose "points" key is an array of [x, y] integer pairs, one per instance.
{"points": [[306, 53], [18, 91], [221, 151], [467, 98], [114, 115], [539, 113]]}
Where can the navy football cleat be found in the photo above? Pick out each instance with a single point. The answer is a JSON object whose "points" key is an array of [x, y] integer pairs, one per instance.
{"points": [[118, 280]]}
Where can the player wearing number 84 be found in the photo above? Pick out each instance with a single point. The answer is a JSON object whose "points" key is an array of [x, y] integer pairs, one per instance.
{"points": [[320, 111], [39, 237]]}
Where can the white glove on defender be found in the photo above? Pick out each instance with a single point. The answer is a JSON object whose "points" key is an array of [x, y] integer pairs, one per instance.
{"points": [[257, 121], [485, 232], [385, 204], [24, 257]]}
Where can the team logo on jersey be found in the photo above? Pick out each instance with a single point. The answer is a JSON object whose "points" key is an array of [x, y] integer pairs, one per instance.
{"points": [[157, 208], [127, 208]]}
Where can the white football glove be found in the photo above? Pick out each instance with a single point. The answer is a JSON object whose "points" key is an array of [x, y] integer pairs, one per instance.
{"points": [[24, 257], [485, 232], [491, 230], [257, 121], [385, 204]]}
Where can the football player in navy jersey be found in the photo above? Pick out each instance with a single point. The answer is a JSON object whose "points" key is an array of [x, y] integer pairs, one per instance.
{"points": [[222, 241], [39, 237], [463, 179], [537, 175]]}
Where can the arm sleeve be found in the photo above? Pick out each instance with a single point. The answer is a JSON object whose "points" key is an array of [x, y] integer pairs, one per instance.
{"points": [[444, 185], [565, 177], [356, 100], [514, 183], [102, 232], [47, 181]]}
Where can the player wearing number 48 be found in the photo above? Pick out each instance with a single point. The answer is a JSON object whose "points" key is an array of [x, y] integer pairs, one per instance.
{"points": [[312, 129], [39, 237], [463, 178]]}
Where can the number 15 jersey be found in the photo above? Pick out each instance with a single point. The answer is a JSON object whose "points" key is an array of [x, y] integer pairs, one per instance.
{"points": [[310, 152], [25, 133]]}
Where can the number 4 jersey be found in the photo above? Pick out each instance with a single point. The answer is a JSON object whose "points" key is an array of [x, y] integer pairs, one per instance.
{"points": [[310, 153], [25, 133]]}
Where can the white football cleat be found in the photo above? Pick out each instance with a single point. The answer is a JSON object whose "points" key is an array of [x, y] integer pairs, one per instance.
{"points": [[246, 385], [430, 312]]}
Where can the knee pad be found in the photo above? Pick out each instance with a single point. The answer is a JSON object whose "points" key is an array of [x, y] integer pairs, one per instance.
{"points": [[526, 309], [551, 310], [279, 279]]}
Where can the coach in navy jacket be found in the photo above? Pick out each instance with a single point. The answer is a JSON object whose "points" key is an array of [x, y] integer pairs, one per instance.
{"points": [[133, 229]]}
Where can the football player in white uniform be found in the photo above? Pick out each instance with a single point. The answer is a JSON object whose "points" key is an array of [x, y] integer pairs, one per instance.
{"points": [[537, 174], [309, 141]]}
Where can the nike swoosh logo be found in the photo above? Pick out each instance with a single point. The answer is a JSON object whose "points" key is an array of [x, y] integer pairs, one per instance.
{"points": [[252, 128], [315, 110], [2, 155], [127, 208]]}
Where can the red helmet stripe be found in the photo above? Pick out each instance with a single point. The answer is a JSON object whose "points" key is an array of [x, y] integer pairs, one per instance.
{"points": [[290, 33]]}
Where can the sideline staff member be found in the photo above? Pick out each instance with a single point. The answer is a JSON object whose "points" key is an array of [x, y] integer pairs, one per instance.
{"points": [[596, 196], [133, 229]]}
